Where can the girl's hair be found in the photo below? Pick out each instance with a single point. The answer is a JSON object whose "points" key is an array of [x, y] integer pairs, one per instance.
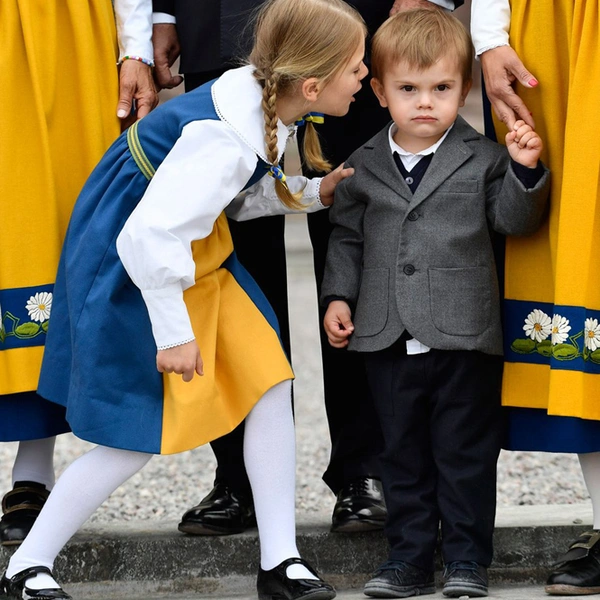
{"points": [[420, 37], [293, 41]]}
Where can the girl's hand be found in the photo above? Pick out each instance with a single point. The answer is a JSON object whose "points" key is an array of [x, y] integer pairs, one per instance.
{"points": [[524, 144], [330, 181], [183, 360], [338, 323]]}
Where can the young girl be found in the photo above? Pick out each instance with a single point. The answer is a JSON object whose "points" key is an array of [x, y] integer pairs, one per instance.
{"points": [[148, 265]]}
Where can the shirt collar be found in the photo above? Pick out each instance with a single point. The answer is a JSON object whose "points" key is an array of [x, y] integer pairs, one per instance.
{"points": [[402, 152], [237, 97]]}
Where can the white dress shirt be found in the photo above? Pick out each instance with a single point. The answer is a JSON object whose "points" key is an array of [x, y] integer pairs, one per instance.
{"points": [[134, 28]]}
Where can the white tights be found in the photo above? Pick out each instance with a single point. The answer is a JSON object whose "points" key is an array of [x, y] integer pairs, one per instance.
{"points": [[590, 467], [269, 455], [35, 462]]}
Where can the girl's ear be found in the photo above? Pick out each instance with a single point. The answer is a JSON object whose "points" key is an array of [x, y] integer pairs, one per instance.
{"points": [[379, 91], [311, 88]]}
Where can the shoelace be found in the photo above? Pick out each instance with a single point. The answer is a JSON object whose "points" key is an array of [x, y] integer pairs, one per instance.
{"points": [[460, 565], [359, 487]]}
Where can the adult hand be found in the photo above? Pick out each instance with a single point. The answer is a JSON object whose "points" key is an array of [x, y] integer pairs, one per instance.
{"points": [[338, 323], [330, 181], [185, 360], [166, 51], [400, 5], [135, 84], [501, 69]]}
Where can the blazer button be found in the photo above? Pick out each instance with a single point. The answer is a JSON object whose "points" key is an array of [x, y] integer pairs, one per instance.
{"points": [[409, 270], [413, 216]]}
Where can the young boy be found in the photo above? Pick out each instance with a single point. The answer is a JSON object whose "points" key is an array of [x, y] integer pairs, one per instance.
{"points": [[411, 282]]}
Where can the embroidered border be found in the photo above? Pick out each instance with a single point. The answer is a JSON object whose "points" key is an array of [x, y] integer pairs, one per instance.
{"points": [[24, 316], [563, 337], [139, 156]]}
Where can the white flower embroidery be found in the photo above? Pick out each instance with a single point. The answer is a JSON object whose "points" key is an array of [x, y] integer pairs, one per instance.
{"points": [[39, 306], [538, 325], [592, 334], [560, 329]]}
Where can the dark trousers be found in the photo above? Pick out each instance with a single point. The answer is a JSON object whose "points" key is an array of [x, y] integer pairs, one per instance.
{"points": [[442, 429], [353, 425]]}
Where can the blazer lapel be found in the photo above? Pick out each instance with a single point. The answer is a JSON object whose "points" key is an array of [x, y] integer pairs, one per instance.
{"points": [[380, 163], [448, 158]]}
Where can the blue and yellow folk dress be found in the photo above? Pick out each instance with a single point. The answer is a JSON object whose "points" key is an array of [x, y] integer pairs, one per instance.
{"points": [[152, 213], [552, 306], [57, 118]]}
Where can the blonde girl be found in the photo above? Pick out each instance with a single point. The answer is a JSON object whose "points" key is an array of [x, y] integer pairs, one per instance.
{"points": [[149, 276]]}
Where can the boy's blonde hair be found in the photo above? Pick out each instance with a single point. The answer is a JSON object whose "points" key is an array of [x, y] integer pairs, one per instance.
{"points": [[420, 37], [293, 41]]}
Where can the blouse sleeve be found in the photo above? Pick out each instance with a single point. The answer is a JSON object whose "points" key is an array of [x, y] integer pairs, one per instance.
{"points": [[261, 199], [205, 169], [134, 28], [490, 24]]}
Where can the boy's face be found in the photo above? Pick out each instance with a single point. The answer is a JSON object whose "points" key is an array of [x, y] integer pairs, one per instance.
{"points": [[423, 104]]}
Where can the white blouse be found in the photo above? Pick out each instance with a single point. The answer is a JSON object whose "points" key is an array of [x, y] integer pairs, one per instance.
{"points": [[206, 168], [134, 28], [490, 23]]}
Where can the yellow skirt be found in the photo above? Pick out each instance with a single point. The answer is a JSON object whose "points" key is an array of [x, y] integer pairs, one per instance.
{"points": [[57, 118], [552, 335]]}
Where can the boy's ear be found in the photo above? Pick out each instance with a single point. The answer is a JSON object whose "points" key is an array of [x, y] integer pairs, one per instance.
{"points": [[465, 91], [311, 88], [379, 91]]}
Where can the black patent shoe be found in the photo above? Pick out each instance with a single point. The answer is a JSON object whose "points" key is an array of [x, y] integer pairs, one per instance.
{"points": [[222, 512], [20, 508], [398, 579], [465, 578], [578, 571], [276, 585], [360, 506], [15, 586]]}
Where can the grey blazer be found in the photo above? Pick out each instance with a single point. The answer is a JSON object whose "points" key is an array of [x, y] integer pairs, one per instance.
{"points": [[425, 263]]}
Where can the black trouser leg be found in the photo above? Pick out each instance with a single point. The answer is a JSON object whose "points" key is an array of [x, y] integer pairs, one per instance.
{"points": [[440, 416]]}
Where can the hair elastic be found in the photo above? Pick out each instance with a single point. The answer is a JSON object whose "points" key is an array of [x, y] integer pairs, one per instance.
{"points": [[311, 117]]}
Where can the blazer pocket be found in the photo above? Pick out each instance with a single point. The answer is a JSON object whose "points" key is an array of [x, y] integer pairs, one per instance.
{"points": [[459, 186], [371, 315], [460, 299]]}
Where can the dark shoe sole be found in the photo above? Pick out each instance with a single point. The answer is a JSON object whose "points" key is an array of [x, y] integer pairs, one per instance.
{"points": [[460, 589], [203, 529], [357, 525], [560, 589], [316, 595], [388, 591]]}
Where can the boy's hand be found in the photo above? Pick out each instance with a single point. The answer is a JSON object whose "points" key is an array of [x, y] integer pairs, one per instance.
{"points": [[330, 181], [338, 323], [524, 144], [183, 360]]}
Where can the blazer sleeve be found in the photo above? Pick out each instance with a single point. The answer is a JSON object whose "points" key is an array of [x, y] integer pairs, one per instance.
{"points": [[513, 209], [164, 6], [345, 250]]}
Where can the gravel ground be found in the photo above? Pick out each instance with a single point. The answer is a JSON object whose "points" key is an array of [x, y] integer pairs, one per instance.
{"points": [[169, 485]]}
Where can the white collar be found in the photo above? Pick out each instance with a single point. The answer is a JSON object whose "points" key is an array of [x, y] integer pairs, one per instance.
{"points": [[402, 152], [237, 97]]}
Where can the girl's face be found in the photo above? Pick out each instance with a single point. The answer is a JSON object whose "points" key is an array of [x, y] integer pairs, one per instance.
{"points": [[335, 98]]}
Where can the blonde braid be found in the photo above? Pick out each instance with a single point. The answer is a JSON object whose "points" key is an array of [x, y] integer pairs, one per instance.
{"points": [[313, 155], [269, 98]]}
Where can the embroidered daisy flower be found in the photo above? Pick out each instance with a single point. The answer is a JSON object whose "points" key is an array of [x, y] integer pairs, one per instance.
{"points": [[592, 334], [39, 306], [560, 329], [538, 325]]}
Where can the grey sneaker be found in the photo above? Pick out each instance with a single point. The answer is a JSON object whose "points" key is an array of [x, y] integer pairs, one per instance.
{"points": [[465, 578], [397, 579]]}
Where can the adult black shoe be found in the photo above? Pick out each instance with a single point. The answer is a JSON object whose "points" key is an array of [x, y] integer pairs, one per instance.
{"points": [[465, 578], [276, 585], [397, 579], [222, 512], [578, 571], [360, 506], [16, 587], [20, 508]]}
